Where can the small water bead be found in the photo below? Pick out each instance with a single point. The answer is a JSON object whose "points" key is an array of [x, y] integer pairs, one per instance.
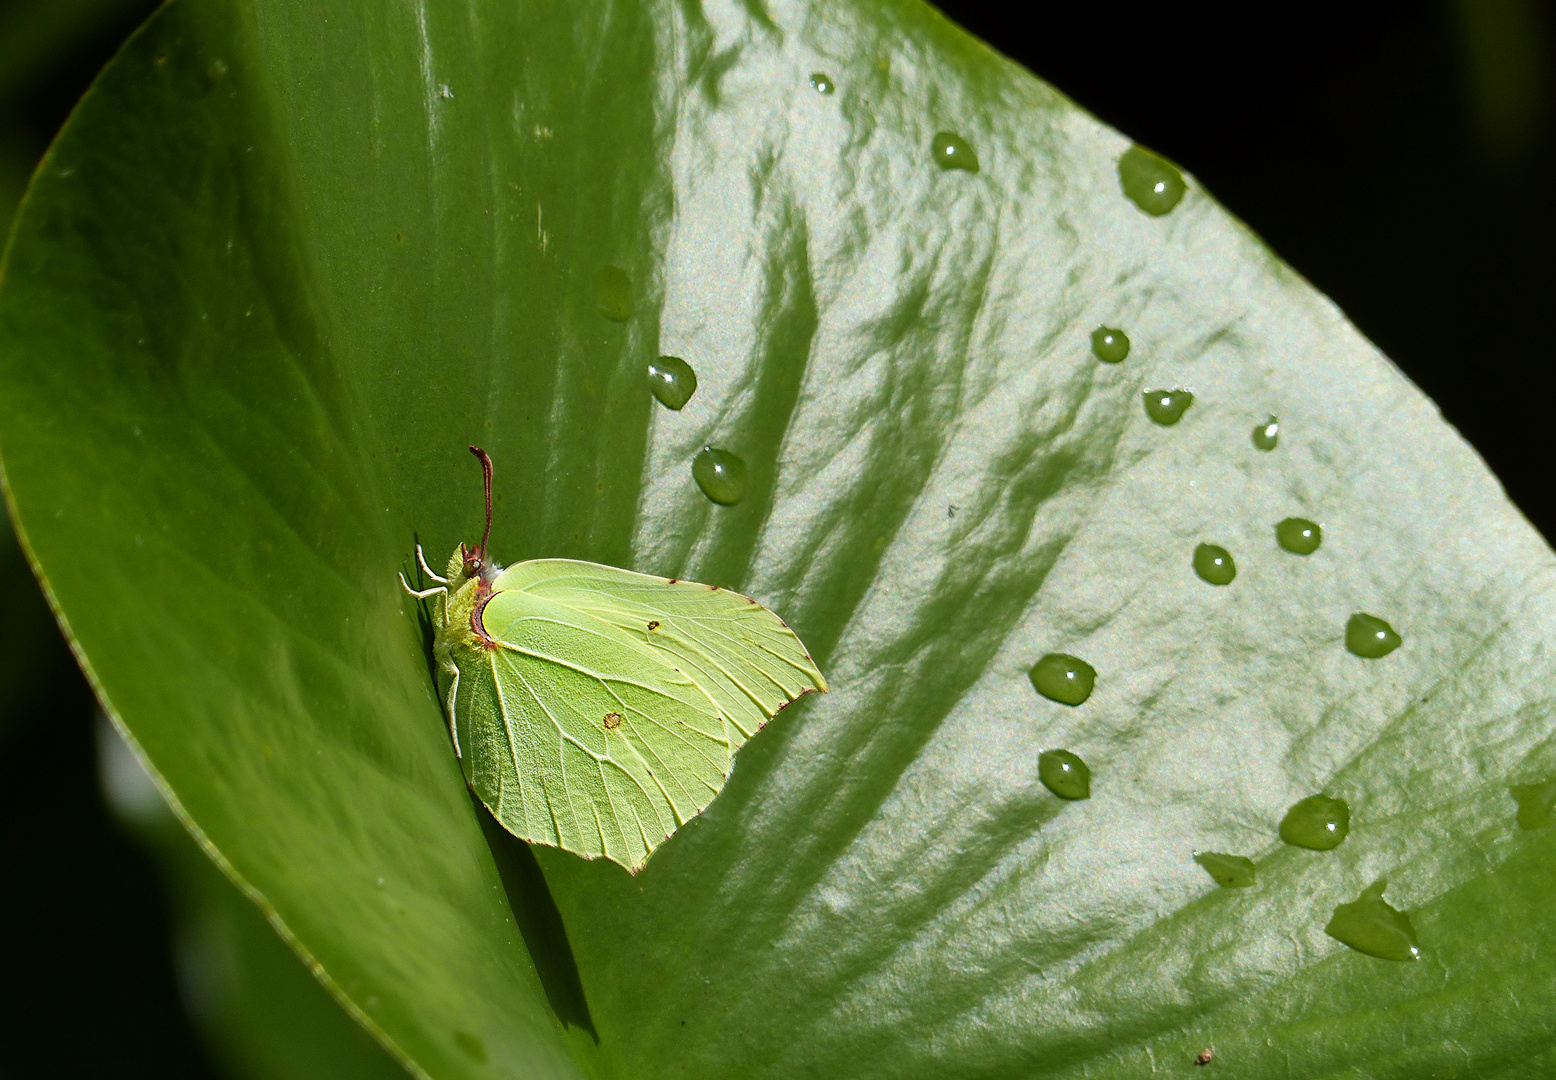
{"points": [[951, 151], [1064, 774], [1267, 434], [672, 380], [1110, 346], [1167, 407], [1299, 536], [720, 474], [822, 83], [1063, 678], [613, 293], [1369, 636], [1370, 925], [1536, 803], [1318, 822], [1233, 871], [1152, 183], [1214, 564]]}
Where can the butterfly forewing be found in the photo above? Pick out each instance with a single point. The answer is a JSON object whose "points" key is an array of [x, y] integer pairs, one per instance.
{"points": [[589, 740], [742, 655]]}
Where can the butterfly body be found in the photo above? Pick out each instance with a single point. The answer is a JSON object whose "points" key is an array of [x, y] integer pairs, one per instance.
{"points": [[597, 709]]}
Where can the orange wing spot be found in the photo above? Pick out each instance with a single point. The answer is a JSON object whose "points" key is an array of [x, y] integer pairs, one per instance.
{"points": [[612, 721]]}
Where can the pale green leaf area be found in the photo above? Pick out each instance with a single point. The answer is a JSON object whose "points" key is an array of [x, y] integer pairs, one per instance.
{"points": [[289, 259]]}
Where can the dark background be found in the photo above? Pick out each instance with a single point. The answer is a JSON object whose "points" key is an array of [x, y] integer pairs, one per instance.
{"points": [[1400, 155]]}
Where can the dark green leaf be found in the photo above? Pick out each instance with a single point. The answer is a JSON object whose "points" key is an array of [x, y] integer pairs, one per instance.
{"points": [[289, 259]]}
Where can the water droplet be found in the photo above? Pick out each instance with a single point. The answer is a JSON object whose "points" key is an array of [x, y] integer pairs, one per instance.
{"points": [[672, 380], [1299, 536], [1064, 774], [1369, 636], [1319, 822], [1267, 434], [1152, 183], [1167, 407], [720, 474], [951, 151], [1063, 678], [613, 293], [822, 82], [1233, 871], [1536, 803], [472, 1045], [1214, 564], [1369, 925], [1110, 345]]}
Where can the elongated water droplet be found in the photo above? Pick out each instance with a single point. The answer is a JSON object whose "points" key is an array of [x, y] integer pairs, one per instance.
{"points": [[1152, 182], [1536, 803], [1369, 636], [1110, 346], [672, 380], [613, 293], [1299, 536], [1214, 564], [1167, 407], [1267, 434], [951, 151], [1233, 871], [472, 1046], [1318, 822], [1370, 925], [1063, 678], [822, 83], [1064, 774], [720, 474]]}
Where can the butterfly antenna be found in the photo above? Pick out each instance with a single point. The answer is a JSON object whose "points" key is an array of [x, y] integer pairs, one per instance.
{"points": [[486, 477]]}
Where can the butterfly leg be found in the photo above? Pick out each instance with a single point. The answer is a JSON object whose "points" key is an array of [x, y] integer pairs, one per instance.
{"points": [[453, 695], [424, 593], [422, 562]]}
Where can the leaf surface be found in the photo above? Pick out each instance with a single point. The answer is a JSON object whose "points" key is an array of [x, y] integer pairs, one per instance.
{"points": [[289, 259]]}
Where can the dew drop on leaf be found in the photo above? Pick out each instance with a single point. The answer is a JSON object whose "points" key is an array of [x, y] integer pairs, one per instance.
{"points": [[1152, 183], [1167, 407], [1536, 803], [613, 293], [720, 474], [1111, 346], [1063, 678], [1267, 434], [672, 380], [1370, 925], [822, 82], [1318, 822], [1233, 871], [1299, 535], [1064, 774], [1369, 636], [951, 151], [1214, 564]]}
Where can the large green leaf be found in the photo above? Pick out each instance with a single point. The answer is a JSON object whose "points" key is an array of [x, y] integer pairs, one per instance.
{"points": [[288, 259]]}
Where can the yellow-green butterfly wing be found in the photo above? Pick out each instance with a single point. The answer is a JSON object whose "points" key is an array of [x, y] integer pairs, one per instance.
{"points": [[598, 710]]}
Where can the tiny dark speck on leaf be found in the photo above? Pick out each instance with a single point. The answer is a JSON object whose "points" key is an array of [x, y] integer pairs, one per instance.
{"points": [[654, 625], [1205, 1056], [612, 721]]}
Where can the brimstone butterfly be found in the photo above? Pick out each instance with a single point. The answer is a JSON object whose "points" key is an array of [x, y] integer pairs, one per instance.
{"points": [[596, 709]]}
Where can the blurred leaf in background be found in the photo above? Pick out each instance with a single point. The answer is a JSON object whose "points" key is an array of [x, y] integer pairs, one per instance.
{"points": [[267, 1018]]}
